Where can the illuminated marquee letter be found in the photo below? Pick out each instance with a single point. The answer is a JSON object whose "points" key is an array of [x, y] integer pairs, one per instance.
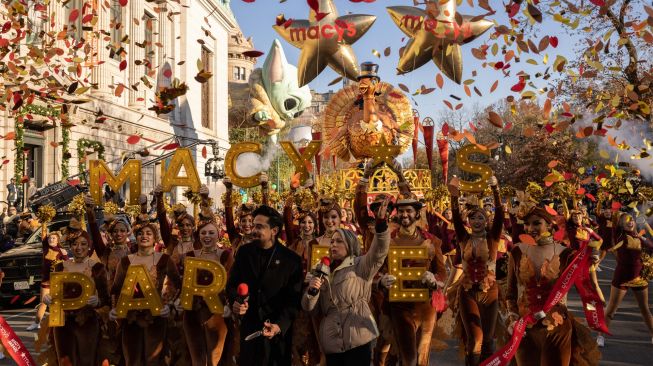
{"points": [[303, 161], [170, 178], [130, 172], [59, 303], [230, 163], [194, 267], [137, 275], [396, 256], [466, 165]]}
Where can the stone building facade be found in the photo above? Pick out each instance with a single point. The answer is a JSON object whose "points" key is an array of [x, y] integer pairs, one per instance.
{"points": [[166, 36]]}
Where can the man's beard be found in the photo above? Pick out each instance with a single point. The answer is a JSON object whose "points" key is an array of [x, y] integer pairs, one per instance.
{"points": [[407, 223]]}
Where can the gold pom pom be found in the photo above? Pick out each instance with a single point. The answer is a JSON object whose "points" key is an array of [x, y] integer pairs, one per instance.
{"points": [[236, 198], [133, 210], [46, 213], [78, 205], [110, 208]]}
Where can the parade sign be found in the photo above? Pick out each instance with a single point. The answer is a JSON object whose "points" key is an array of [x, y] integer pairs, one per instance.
{"points": [[396, 257], [465, 164], [193, 268], [131, 172], [59, 303]]}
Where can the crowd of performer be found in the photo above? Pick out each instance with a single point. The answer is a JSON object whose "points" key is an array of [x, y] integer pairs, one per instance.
{"points": [[489, 262]]}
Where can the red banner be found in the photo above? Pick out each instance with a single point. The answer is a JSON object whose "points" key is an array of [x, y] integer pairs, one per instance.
{"points": [[428, 141], [318, 159], [14, 346], [443, 149], [415, 139], [576, 269], [592, 304]]}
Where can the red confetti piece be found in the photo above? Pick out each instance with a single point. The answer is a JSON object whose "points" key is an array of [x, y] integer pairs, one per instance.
{"points": [[73, 182], [122, 3], [204, 152], [616, 205], [319, 16], [253, 53], [598, 2], [30, 300], [14, 299], [167, 73], [133, 139], [123, 65], [171, 146], [527, 239], [553, 41], [314, 5], [590, 196], [550, 210], [74, 14]]}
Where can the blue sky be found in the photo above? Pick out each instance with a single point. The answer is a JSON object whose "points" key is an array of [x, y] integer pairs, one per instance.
{"points": [[256, 20]]}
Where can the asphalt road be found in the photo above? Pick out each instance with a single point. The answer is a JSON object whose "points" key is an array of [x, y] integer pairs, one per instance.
{"points": [[630, 343]]}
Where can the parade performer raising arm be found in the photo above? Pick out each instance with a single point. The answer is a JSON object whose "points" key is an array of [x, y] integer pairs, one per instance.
{"points": [[476, 261]]}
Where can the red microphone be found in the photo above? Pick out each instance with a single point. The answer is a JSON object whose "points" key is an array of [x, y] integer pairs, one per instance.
{"points": [[243, 293], [322, 270]]}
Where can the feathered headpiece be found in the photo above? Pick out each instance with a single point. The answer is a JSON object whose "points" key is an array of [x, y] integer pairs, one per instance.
{"points": [[246, 209], [206, 217], [180, 214]]}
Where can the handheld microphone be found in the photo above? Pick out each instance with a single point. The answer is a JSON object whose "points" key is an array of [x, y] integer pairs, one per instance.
{"points": [[243, 293], [322, 270]]}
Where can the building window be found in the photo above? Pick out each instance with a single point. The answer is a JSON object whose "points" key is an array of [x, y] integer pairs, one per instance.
{"points": [[236, 72], [150, 22], [207, 90], [116, 28], [242, 74]]}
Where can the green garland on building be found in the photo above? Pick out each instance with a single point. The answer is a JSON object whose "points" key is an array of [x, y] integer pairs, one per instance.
{"points": [[40, 110], [82, 146], [65, 143], [19, 142]]}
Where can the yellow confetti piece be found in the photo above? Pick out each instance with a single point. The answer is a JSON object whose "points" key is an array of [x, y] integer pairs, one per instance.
{"points": [[508, 150], [604, 154], [376, 53]]}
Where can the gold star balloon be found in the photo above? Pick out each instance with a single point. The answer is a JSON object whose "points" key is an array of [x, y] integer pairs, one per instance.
{"points": [[436, 35], [325, 39]]}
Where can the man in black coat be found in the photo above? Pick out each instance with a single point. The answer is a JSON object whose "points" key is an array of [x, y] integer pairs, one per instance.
{"points": [[273, 274]]}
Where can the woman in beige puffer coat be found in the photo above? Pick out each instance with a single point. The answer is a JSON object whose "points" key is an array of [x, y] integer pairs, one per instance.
{"points": [[347, 327]]}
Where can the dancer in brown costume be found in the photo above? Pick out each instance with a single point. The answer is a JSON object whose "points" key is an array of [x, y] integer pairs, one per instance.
{"points": [[532, 272], [305, 347], [413, 322], [242, 234], [78, 339], [143, 335], [628, 246], [206, 332], [476, 262]]}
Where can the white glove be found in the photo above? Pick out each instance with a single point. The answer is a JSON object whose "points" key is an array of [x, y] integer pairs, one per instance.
{"points": [[47, 299], [93, 301], [309, 277], [387, 280], [113, 315], [511, 327], [165, 311], [177, 305], [227, 312], [428, 278]]}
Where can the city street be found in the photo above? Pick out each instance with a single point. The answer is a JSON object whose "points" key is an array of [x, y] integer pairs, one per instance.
{"points": [[629, 345]]}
